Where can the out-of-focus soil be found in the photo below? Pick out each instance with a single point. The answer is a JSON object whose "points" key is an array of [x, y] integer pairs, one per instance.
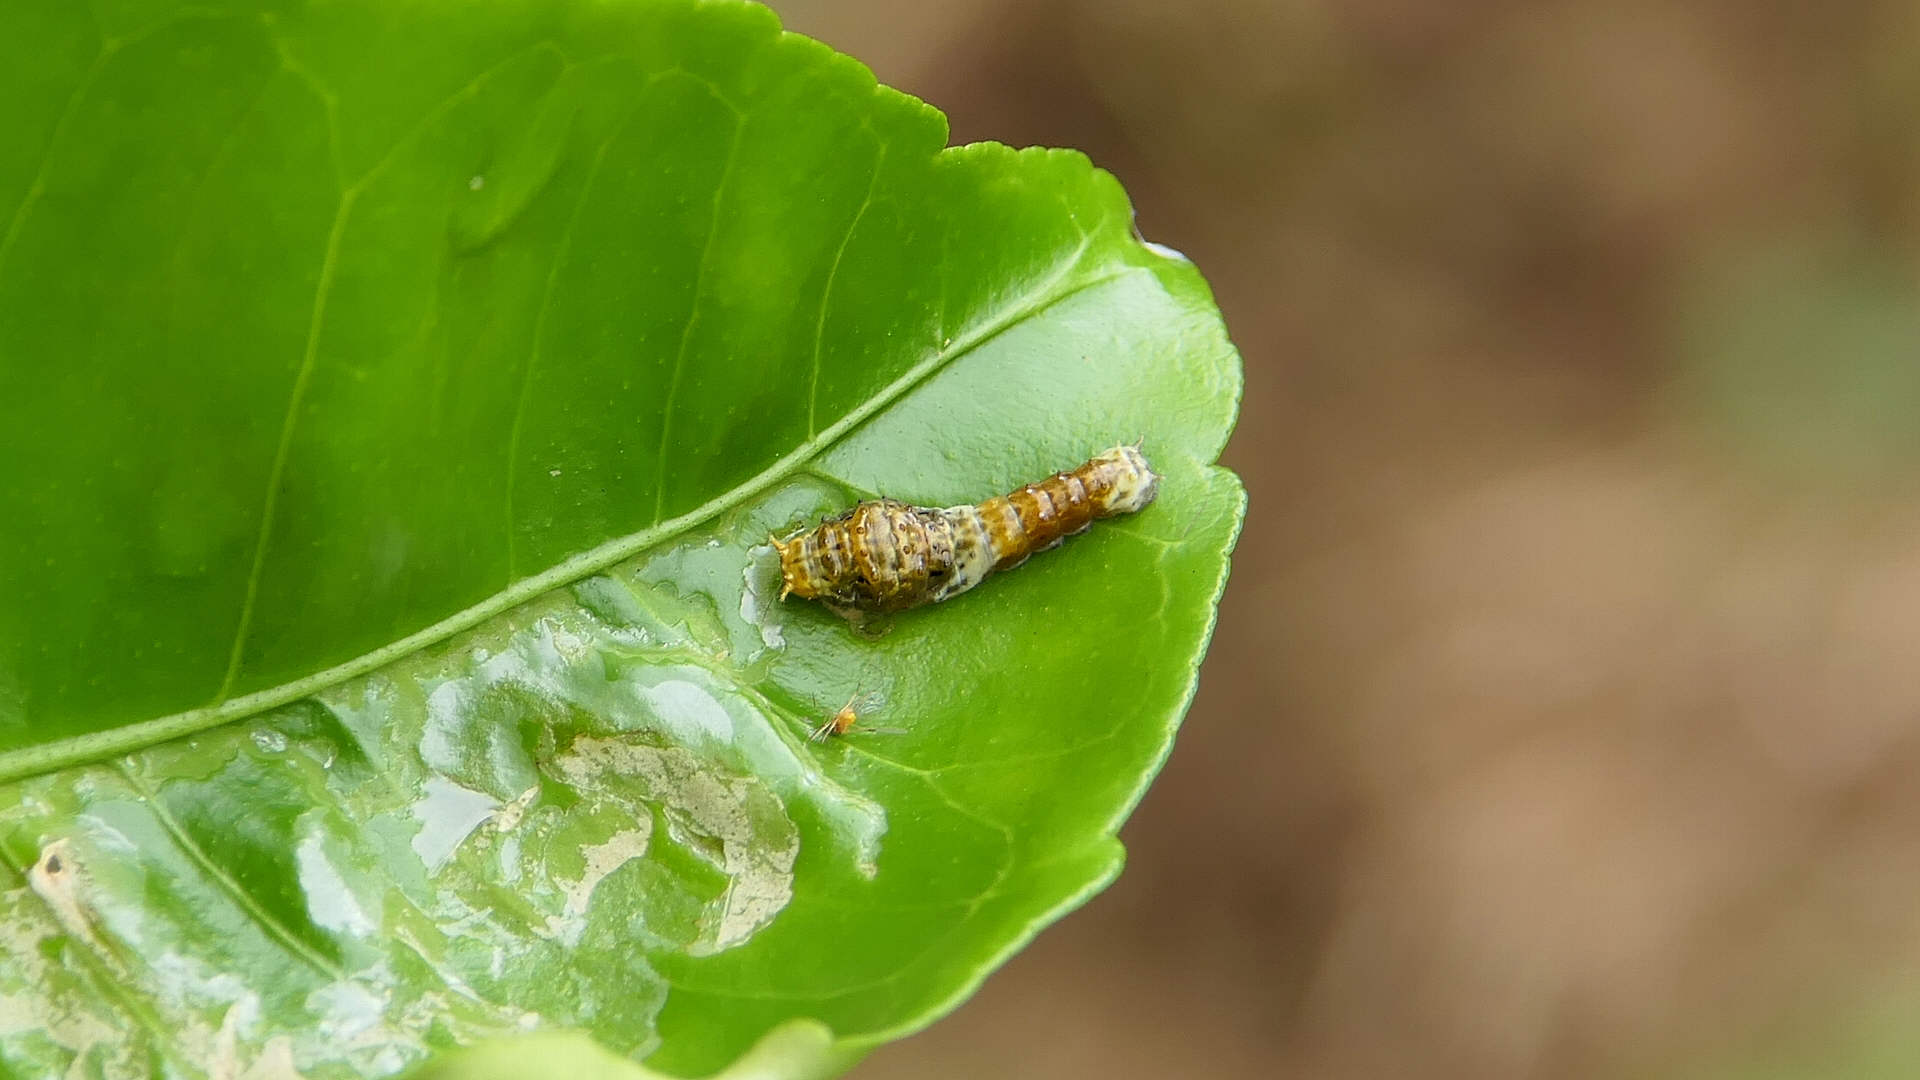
{"points": [[1562, 715]]}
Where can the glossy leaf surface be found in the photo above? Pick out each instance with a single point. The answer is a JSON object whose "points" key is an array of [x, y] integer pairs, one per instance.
{"points": [[396, 400]]}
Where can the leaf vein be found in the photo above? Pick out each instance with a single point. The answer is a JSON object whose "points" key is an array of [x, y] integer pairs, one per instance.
{"points": [[329, 102], [539, 331], [282, 934], [826, 291], [693, 316], [45, 756], [446, 104], [328, 267], [38, 185]]}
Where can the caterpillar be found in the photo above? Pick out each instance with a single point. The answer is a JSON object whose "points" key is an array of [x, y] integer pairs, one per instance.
{"points": [[884, 555]]}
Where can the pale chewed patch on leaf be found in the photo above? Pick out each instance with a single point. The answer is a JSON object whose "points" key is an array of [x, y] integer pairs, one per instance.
{"points": [[57, 879], [49, 1020], [734, 823], [64, 970], [603, 859], [471, 842]]}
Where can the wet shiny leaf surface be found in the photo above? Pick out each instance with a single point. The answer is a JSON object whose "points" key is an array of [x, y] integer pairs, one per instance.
{"points": [[395, 658]]}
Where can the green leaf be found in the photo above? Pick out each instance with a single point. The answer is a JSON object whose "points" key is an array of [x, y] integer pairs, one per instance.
{"points": [[395, 401], [799, 1050]]}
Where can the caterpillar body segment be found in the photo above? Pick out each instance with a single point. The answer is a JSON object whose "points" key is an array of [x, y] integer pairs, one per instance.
{"points": [[884, 555]]}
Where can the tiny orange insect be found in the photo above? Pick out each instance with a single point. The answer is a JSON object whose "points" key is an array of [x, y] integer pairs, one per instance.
{"points": [[844, 720], [884, 555]]}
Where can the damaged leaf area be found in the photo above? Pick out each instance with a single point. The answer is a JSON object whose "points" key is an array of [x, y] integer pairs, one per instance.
{"points": [[394, 663], [543, 814]]}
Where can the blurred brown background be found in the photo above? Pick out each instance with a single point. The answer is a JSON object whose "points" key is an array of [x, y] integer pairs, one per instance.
{"points": [[1562, 720]]}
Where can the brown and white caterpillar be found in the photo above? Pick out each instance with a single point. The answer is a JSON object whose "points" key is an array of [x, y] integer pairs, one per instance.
{"points": [[884, 555]]}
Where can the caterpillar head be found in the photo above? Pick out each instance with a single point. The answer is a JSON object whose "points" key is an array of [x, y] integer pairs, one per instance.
{"points": [[1133, 482], [794, 577]]}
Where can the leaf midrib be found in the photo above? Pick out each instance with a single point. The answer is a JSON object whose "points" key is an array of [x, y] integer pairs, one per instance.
{"points": [[127, 738]]}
